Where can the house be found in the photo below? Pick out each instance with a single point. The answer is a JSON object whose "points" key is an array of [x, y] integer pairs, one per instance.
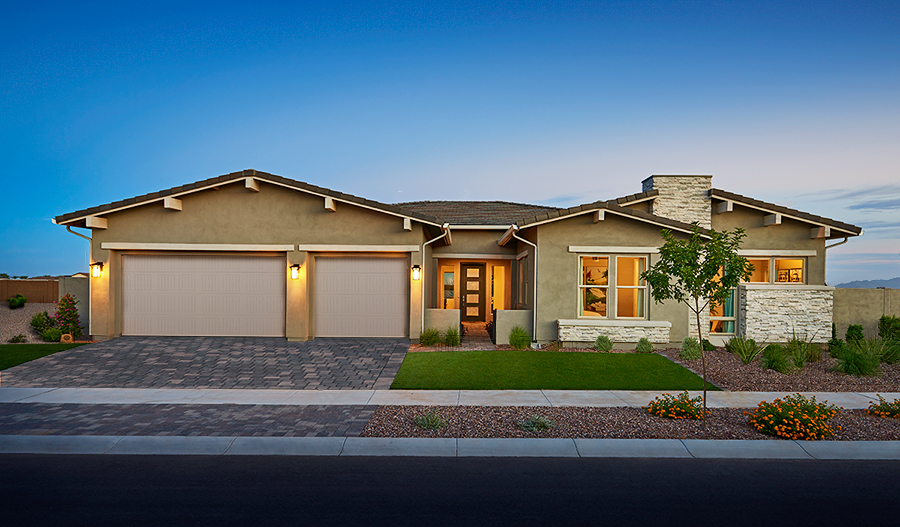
{"points": [[255, 254]]}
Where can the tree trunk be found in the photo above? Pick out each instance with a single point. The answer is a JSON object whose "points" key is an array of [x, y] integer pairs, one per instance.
{"points": [[702, 351]]}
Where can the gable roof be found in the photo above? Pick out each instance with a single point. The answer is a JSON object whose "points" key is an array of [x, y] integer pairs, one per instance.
{"points": [[501, 213], [845, 228], [77, 218]]}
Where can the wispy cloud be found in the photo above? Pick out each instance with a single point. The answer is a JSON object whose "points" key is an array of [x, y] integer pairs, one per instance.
{"points": [[878, 204], [888, 194]]}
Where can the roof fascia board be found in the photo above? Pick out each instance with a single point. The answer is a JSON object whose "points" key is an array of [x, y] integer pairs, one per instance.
{"points": [[467, 227], [611, 211], [782, 214]]}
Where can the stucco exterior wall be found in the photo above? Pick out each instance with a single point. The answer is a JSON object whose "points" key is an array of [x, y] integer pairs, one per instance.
{"points": [[864, 307], [80, 288], [235, 215], [506, 320], [778, 313]]}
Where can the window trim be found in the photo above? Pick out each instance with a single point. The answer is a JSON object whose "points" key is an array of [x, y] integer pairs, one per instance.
{"points": [[612, 287], [773, 256]]}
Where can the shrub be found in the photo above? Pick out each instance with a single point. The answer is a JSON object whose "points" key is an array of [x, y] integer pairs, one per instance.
{"points": [[886, 351], [889, 328], [42, 321], [430, 421], [690, 349], [643, 346], [603, 343], [451, 336], [67, 316], [52, 335], [16, 301], [676, 407], [854, 332], [536, 423], [519, 338], [795, 417], [833, 331], [835, 347], [774, 358], [745, 349], [801, 351], [857, 358], [708, 346], [884, 408], [17, 339], [430, 337]]}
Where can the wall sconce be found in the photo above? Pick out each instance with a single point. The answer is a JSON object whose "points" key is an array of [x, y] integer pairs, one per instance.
{"points": [[416, 272], [295, 271], [97, 269]]}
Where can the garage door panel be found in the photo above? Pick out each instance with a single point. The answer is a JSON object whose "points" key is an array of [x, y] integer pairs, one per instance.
{"points": [[203, 295], [361, 296]]}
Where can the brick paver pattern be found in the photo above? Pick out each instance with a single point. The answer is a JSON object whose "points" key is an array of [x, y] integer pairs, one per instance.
{"points": [[218, 362], [225, 420]]}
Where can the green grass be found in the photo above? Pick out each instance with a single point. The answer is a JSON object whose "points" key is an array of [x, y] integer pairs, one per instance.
{"points": [[536, 370], [15, 354]]}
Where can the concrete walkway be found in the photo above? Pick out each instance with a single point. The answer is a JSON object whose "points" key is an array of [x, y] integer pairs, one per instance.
{"points": [[361, 399], [592, 398]]}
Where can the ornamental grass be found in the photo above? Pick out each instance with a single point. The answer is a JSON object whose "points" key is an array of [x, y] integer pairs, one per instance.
{"points": [[795, 417], [677, 407]]}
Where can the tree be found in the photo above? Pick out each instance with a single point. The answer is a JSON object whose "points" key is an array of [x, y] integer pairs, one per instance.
{"points": [[698, 272]]}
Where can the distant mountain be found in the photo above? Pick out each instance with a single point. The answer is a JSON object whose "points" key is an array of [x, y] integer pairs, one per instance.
{"points": [[893, 283]]}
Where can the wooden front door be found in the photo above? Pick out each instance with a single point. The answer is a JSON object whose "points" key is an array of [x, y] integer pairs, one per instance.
{"points": [[472, 292]]}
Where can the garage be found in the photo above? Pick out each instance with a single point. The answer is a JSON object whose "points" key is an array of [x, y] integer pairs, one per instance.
{"points": [[361, 297], [180, 295]]}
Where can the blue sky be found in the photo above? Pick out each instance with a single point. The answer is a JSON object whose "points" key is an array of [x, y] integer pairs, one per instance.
{"points": [[557, 103]]}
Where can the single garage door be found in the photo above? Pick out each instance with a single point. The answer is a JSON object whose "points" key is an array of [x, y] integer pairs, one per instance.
{"points": [[203, 295], [361, 297]]}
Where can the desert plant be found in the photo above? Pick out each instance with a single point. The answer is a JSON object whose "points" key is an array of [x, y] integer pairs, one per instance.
{"points": [[42, 321], [430, 421], [883, 408], [835, 347], [745, 349], [889, 328], [690, 349], [677, 407], [451, 337], [643, 346], [854, 332], [708, 346], [16, 301], [603, 343], [774, 358], [430, 337], [857, 358], [887, 351], [795, 417], [536, 423], [17, 339], [802, 351], [519, 338], [67, 316], [52, 335]]}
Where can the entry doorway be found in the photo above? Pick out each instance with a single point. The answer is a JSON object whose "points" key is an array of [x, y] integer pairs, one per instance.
{"points": [[472, 292]]}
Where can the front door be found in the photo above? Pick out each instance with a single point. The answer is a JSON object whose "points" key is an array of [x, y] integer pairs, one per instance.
{"points": [[472, 292]]}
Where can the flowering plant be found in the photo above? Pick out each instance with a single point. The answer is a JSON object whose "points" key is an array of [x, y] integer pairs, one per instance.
{"points": [[67, 316], [795, 417], [883, 408], [677, 407]]}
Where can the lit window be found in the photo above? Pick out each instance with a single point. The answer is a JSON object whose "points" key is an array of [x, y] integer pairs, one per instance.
{"points": [[630, 288], [594, 285], [790, 271], [722, 317], [760, 271]]}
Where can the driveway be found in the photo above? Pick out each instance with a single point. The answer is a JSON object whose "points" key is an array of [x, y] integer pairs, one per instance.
{"points": [[218, 362]]}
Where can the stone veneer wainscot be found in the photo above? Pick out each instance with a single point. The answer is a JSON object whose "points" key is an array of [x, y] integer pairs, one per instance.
{"points": [[777, 313], [587, 331]]}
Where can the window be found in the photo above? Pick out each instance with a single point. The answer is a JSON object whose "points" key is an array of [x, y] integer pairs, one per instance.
{"points": [[722, 317], [594, 285], [783, 270], [760, 271], [630, 288], [788, 271], [522, 283]]}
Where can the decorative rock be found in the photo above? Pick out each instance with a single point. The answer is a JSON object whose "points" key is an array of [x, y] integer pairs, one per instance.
{"points": [[66, 338]]}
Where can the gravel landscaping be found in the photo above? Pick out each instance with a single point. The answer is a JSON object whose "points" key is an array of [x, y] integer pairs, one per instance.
{"points": [[18, 321]]}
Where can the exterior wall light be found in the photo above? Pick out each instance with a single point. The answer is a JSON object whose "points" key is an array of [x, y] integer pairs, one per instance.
{"points": [[97, 269], [295, 271], [417, 272]]}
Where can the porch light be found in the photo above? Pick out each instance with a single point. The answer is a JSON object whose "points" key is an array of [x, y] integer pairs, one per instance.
{"points": [[97, 269], [295, 271], [416, 272]]}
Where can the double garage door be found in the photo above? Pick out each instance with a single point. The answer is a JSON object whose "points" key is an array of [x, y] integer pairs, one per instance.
{"points": [[245, 296]]}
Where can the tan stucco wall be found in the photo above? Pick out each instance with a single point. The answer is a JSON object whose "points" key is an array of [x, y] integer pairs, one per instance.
{"points": [[864, 307], [236, 215]]}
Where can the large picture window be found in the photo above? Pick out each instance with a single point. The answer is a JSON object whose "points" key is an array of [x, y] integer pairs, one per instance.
{"points": [[594, 285], [630, 288], [777, 270]]}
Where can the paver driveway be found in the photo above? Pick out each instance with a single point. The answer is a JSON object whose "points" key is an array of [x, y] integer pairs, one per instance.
{"points": [[218, 362]]}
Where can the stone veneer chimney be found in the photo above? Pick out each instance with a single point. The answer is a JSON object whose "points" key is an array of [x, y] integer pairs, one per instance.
{"points": [[682, 198]]}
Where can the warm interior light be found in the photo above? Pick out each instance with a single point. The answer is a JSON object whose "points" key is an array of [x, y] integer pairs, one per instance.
{"points": [[295, 271], [416, 272], [97, 269]]}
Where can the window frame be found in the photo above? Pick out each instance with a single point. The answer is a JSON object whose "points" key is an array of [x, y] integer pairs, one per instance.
{"points": [[612, 287], [773, 275], [582, 286]]}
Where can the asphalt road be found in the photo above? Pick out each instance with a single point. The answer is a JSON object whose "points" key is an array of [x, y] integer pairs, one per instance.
{"points": [[207, 490]]}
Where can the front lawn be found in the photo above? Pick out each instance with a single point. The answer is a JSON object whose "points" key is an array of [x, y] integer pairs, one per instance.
{"points": [[542, 370], [15, 354]]}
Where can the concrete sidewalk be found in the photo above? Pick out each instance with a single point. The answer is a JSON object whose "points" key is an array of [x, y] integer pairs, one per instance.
{"points": [[406, 447], [591, 398]]}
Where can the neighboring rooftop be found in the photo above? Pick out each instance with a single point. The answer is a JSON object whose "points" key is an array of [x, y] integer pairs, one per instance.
{"points": [[476, 212]]}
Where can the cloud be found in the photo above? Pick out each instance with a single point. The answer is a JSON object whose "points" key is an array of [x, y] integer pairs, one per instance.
{"points": [[884, 204], [889, 194]]}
